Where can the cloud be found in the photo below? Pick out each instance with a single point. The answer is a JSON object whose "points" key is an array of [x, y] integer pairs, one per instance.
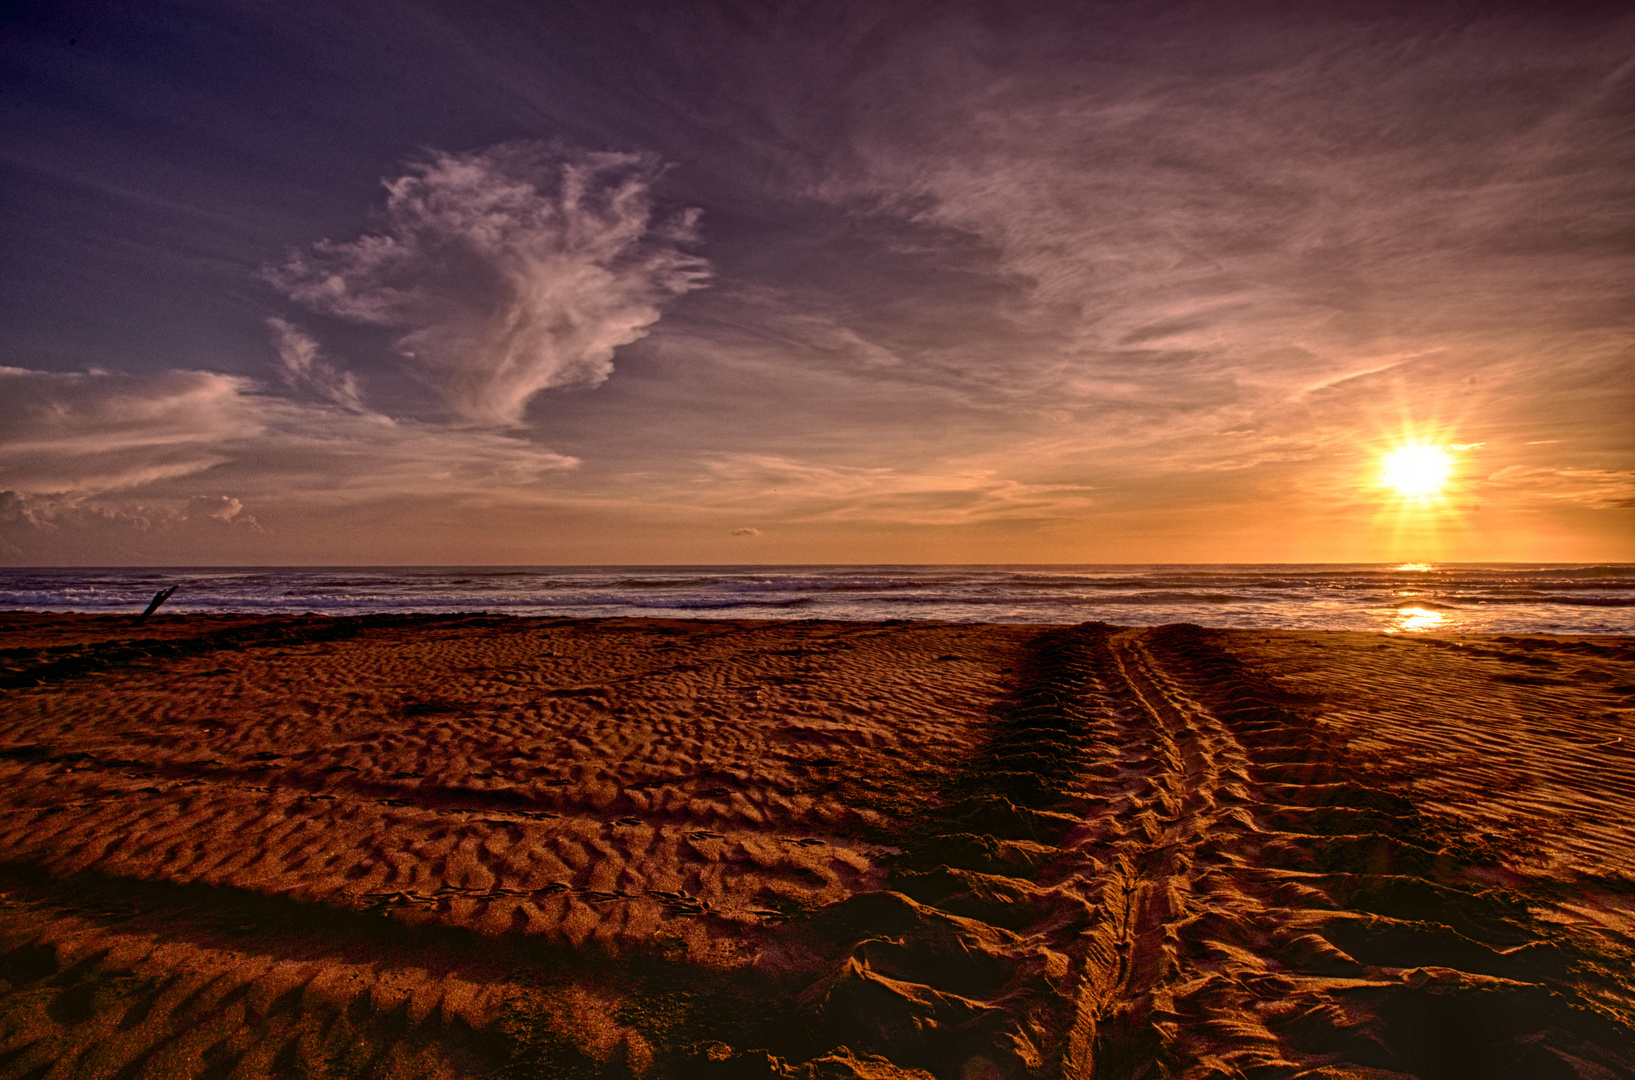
{"points": [[507, 271], [97, 450], [1598, 489], [54, 525], [87, 433], [510, 270], [1201, 216], [223, 508], [814, 492], [303, 367]]}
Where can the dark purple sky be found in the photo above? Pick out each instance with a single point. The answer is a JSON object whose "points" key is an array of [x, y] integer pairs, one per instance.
{"points": [[871, 282]]}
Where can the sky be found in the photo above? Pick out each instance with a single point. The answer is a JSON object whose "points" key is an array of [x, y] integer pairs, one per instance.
{"points": [[875, 282]]}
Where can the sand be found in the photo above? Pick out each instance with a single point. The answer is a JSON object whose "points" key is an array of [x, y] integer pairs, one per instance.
{"points": [[484, 846]]}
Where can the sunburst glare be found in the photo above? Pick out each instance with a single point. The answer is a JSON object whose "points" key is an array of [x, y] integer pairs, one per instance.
{"points": [[1416, 471]]}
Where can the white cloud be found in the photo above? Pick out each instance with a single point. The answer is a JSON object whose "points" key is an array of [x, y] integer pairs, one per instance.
{"points": [[303, 366], [511, 270], [223, 508]]}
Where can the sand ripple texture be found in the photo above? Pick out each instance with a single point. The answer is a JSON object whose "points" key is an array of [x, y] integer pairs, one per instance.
{"points": [[482, 846]]}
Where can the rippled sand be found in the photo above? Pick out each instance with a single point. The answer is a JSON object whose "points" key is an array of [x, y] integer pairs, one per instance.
{"points": [[426, 846]]}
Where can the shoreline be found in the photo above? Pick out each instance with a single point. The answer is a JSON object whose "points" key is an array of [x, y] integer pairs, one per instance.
{"points": [[687, 847], [1528, 598], [163, 616]]}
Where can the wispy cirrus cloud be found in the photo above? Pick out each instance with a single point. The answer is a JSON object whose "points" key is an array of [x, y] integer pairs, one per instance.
{"points": [[1027, 274], [788, 489], [303, 366], [508, 271], [1259, 206], [88, 433], [104, 450], [1600, 489]]}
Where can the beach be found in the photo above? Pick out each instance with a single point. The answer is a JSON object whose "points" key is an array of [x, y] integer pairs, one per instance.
{"points": [[238, 845]]}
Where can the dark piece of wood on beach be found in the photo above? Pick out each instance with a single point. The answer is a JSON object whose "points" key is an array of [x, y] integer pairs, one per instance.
{"points": [[158, 598]]}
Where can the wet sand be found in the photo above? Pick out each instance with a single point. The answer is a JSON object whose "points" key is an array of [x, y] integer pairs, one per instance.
{"points": [[483, 846]]}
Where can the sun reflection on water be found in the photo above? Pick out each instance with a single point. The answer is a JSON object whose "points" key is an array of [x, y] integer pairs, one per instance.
{"points": [[1411, 619]]}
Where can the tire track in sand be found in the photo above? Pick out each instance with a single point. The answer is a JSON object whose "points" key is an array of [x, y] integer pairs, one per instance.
{"points": [[1292, 915], [1184, 790], [1034, 927], [1023, 931], [1145, 861], [1216, 886]]}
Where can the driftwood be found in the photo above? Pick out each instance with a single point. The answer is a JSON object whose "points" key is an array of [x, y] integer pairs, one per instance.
{"points": [[158, 598]]}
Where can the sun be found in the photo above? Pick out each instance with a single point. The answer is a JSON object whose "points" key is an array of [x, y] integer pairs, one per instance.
{"points": [[1416, 470]]}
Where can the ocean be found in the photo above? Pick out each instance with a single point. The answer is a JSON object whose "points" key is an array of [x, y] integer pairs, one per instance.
{"points": [[1476, 598]]}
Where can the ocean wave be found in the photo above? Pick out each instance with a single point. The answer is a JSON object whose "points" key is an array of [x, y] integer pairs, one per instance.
{"points": [[810, 584], [1599, 571], [722, 604], [981, 600], [1539, 588], [1568, 601], [1081, 583], [1168, 598]]}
